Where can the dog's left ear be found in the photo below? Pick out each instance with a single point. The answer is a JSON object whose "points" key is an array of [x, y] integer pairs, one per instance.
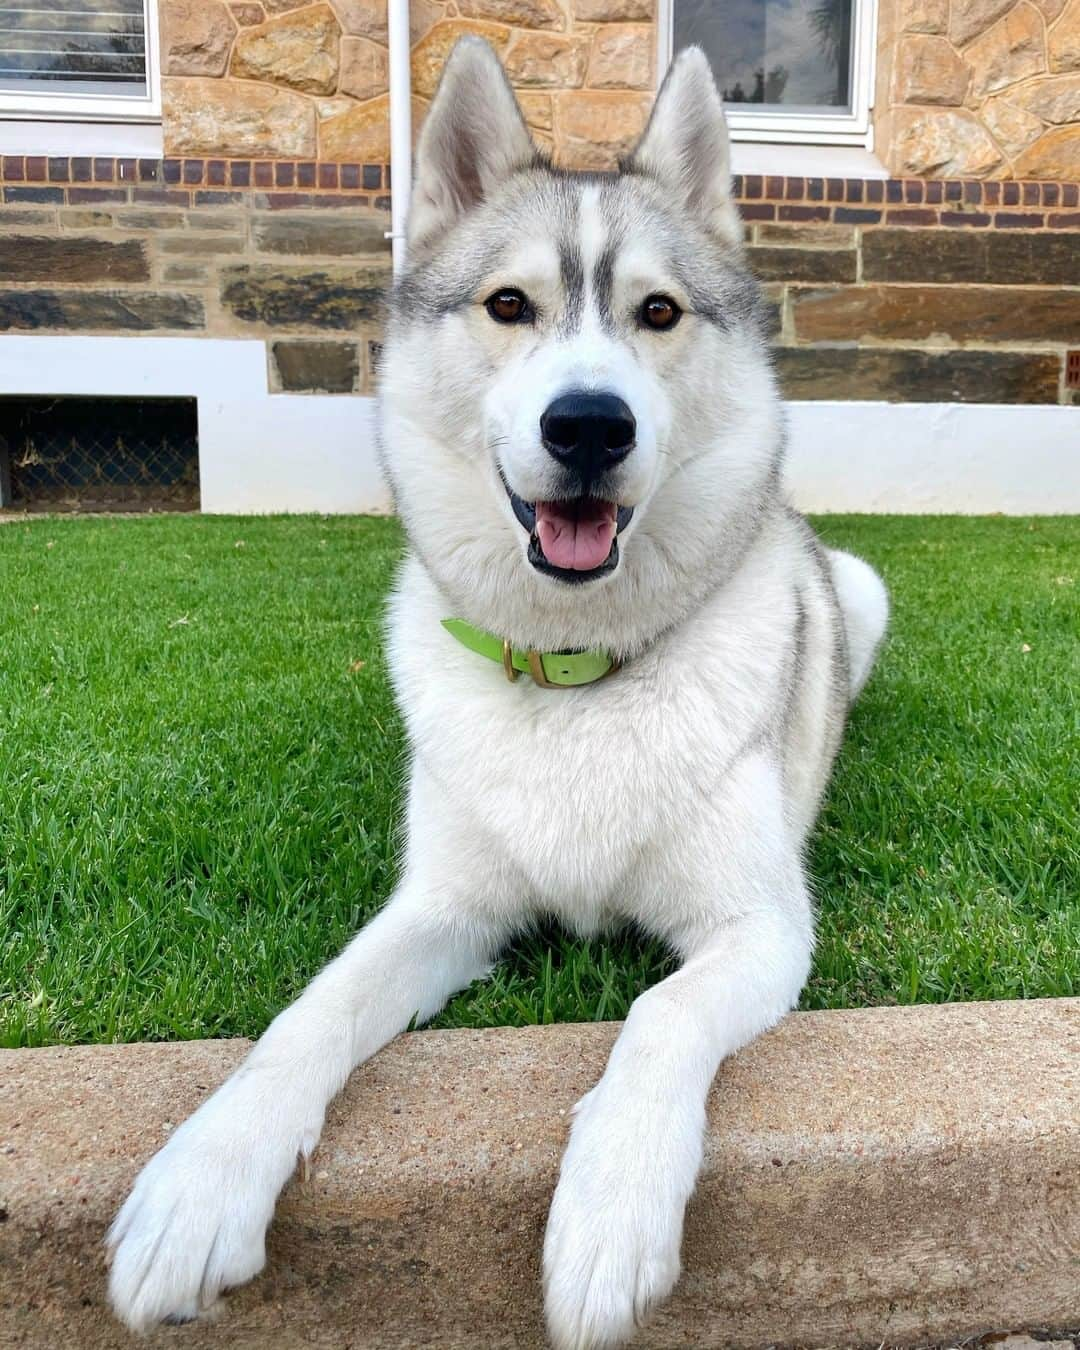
{"points": [[685, 146], [473, 137]]}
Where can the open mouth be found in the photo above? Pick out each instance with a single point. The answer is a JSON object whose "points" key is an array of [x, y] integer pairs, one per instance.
{"points": [[575, 539]]}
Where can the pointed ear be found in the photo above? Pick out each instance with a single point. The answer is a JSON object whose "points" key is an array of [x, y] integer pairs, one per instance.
{"points": [[474, 136], [685, 146]]}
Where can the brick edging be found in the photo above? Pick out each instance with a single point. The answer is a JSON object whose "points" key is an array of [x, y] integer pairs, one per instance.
{"points": [[949, 202], [909, 201], [81, 181]]}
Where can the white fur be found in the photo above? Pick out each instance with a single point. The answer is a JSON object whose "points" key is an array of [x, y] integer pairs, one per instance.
{"points": [[676, 795]]}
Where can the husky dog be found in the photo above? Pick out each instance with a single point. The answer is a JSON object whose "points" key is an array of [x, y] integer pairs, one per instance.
{"points": [[582, 431]]}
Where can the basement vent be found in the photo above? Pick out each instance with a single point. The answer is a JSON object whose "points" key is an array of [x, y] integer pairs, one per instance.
{"points": [[99, 454], [1072, 370]]}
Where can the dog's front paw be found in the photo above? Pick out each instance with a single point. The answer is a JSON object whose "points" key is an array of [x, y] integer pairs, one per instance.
{"points": [[194, 1224], [612, 1245]]}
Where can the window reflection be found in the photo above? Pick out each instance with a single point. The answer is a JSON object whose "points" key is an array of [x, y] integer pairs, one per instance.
{"points": [[792, 53]]}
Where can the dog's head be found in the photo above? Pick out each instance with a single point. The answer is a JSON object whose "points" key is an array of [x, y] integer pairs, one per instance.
{"points": [[578, 414]]}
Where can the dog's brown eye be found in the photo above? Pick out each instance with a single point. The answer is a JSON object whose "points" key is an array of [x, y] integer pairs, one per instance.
{"points": [[507, 306], [660, 312]]}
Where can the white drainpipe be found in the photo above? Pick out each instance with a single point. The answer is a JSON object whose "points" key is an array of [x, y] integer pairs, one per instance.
{"points": [[400, 127]]}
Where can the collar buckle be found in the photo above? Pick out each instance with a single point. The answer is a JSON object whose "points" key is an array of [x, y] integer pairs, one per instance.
{"points": [[536, 670], [511, 670]]}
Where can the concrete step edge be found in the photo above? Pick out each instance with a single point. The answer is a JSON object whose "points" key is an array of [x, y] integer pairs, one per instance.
{"points": [[885, 1176]]}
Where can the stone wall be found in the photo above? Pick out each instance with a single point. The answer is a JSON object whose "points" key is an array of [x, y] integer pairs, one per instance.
{"points": [[979, 88], [221, 249], [965, 88], [296, 80], [901, 290]]}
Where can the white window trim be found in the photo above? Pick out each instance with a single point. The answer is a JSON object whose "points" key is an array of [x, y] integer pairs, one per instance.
{"points": [[44, 106], [854, 128]]}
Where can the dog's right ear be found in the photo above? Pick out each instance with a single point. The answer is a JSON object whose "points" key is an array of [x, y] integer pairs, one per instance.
{"points": [[473, 137], [685, 146]]}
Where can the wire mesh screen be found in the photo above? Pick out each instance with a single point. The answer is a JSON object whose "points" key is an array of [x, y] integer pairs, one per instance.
{"points": [[99, 454]]}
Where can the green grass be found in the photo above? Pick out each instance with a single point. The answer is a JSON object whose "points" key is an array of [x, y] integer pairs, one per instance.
{"points": [[200, 767]]}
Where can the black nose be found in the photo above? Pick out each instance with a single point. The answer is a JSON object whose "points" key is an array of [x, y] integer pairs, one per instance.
{"points": [[588, 432]]}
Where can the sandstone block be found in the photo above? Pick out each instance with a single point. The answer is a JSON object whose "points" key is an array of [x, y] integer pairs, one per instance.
{"points": [[992, 257], [190, 245], [516, 13], [947, 144], [196, 36], [192, 274], [332, 297], [968, 18], [1009, 52], [85, 220], [594, 130], [802, 264], [803, 237], [227, 219], [100, 311], [365, 68], [423, 16], [41, 258], [611, 11], [928, 70], [363, 18], [922, 16], [1012, 127], [538, 109], [223, 117], [154, 219], [912, 376], [948, 313], [333, 107], [298, 50], [320, 233], [316, 367], [544, 61], [362, 133], [621, 57], [1050, 9], [429, 55], [1064, 41], [1056, 99], [247, 14], [1055, 155]]}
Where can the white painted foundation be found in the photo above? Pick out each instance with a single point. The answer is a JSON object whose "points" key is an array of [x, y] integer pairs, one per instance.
{"points": [[919, 458], [261, 452], [258, 452]]}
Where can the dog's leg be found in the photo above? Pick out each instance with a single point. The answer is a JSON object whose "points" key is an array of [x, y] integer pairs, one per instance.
{"points": [[196, 1221], [614, 1232]]}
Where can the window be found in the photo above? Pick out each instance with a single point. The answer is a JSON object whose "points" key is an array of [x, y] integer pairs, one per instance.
{"points": [[85, 59], [796, 71]]}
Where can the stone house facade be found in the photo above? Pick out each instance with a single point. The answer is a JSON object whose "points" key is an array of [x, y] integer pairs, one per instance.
{"points": [[949, 272]]}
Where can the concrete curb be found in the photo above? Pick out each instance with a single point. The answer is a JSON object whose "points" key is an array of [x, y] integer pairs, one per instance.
{"points": [[880, 1176]]}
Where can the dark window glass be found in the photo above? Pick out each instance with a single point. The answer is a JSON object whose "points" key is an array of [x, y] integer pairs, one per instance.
{"points": [[788, 53], [73, 47]]}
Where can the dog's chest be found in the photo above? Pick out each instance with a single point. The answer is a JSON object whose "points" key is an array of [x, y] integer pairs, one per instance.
{"points": [[576, 789]]}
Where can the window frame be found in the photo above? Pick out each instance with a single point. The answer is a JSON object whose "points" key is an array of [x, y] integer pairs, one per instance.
{"points": [[854, 128], [45, 106]]}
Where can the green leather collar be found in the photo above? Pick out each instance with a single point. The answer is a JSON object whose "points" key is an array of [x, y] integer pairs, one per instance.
{"points": [[550, 670]]}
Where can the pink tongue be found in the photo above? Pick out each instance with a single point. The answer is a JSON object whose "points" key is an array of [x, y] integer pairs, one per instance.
{"points": [[575, 536]]}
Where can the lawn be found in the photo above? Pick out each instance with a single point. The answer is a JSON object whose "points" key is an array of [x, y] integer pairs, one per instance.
{"points": [[200, 767]]}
